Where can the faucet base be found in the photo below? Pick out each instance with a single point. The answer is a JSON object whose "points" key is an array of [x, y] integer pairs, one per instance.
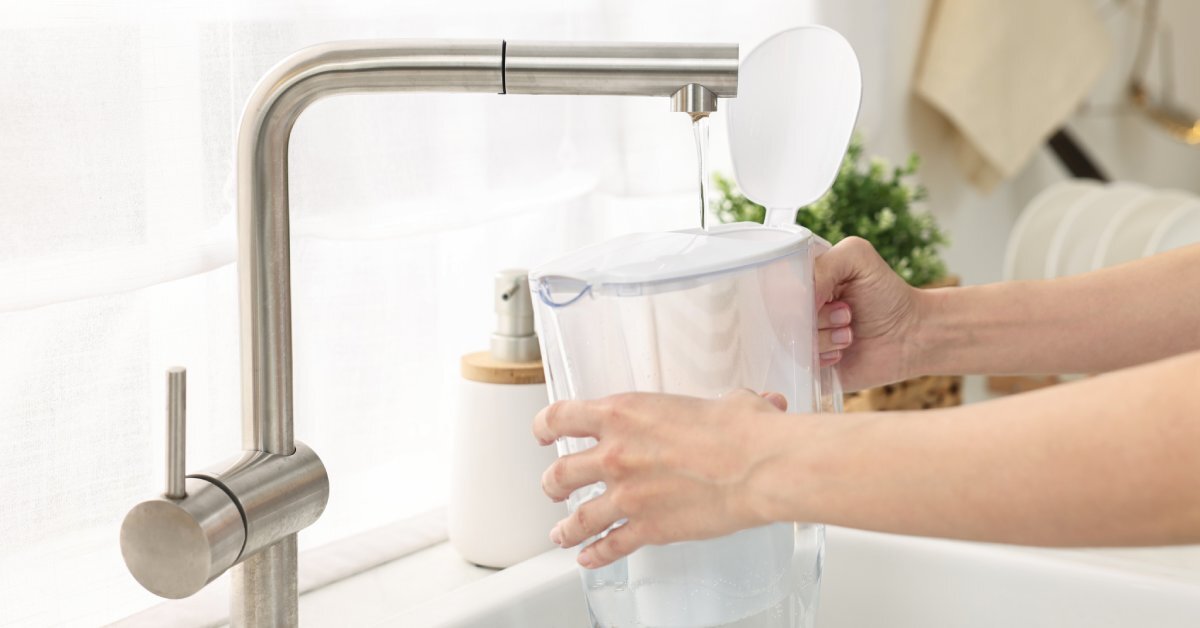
{"points": [[264, 588]]}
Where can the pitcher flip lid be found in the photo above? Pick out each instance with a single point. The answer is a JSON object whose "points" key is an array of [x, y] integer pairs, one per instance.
{"points": [[630, 264]]}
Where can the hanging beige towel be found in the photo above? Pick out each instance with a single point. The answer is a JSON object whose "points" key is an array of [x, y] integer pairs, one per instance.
{"points": [[1007, 74]]}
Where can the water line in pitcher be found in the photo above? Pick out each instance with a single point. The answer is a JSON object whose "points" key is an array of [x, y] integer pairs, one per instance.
{"points": [[700, 132]]}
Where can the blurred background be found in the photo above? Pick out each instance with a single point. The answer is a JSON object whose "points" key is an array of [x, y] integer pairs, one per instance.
{"points": [[117, 245]]}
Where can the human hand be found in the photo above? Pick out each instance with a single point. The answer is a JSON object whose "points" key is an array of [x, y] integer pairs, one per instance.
{"points": [[677, 468], [867, 316]]}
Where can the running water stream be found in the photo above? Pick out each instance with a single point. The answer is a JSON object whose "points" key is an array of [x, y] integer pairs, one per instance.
{"points": [[700, 131]]}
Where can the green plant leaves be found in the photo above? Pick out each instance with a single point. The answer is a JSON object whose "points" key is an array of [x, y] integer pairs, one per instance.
{"points": [[872, 201]]}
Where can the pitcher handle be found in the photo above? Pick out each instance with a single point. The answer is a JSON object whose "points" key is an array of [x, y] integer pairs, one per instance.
{"points": [[828, 393]]}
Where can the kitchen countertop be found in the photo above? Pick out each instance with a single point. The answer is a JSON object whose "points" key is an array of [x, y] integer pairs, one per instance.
{"points": [[373, 596]]}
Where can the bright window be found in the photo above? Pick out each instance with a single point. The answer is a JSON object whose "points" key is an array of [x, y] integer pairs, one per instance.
{"points": [[117, 127]]}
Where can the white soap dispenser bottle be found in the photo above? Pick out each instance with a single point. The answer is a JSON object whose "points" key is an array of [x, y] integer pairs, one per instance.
{"points": [[498, 515]]}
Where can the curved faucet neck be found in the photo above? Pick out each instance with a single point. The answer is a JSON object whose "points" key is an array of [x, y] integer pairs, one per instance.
{"points": [[693, 75]]}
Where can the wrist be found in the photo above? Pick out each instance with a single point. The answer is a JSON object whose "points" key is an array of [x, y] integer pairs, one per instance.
{"points": [[926, 346], [799, 457]]}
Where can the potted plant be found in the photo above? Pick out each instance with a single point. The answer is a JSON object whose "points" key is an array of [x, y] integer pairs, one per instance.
{"points": [[873, 201]]}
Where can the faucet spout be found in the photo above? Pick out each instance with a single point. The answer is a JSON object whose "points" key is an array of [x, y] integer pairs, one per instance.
{"points": [[695, 100], [693, 75], [619, 69]]}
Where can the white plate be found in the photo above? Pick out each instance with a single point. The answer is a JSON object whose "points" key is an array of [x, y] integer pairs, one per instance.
{"points": [[1181, 228], [1128, 233], [1029, 243], [1078, 234]]}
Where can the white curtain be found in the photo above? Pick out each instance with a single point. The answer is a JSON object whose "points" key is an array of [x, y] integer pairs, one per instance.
{"points": [[117, 127]]}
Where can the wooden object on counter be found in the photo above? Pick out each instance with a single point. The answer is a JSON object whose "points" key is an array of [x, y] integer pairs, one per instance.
{"points": [[482, 367], [949, 281], [1016, 384], [922, 393]]}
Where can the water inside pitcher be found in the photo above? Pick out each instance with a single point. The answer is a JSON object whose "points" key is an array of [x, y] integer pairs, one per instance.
{"points": [[693, 313]]}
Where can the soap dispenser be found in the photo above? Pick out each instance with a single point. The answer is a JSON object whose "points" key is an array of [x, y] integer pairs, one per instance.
{"points": [[498, 515]]}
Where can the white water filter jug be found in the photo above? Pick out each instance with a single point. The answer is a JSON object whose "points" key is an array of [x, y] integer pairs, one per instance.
{"points": [[698, 313]]}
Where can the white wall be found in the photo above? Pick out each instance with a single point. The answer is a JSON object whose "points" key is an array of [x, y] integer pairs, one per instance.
{"points": [[887, 36]]}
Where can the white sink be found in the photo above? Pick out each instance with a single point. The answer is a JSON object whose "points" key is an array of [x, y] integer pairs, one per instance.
{"points": [[872, 580]]}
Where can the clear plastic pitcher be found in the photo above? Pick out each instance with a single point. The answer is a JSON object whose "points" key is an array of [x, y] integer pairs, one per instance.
{"points": [[693, 313]]}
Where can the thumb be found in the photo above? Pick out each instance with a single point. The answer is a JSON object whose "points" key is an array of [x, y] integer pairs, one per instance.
{"points": [[847, 260]]}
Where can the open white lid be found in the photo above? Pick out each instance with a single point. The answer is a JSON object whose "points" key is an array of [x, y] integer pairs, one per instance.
{"points": [[623, 265]]}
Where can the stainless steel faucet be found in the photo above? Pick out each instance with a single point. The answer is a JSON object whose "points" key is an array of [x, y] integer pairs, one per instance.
{"points": [[245, 513]]}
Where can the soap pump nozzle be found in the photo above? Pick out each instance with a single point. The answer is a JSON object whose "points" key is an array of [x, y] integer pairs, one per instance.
{"points": [[514, 339]]}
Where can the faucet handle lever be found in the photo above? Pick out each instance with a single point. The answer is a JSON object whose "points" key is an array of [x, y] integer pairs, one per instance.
{"points": [[205, 523], [176, 543], [176, 432]]}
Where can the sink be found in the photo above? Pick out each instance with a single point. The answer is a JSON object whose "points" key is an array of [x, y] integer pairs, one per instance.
{"points": [[872, 579]]}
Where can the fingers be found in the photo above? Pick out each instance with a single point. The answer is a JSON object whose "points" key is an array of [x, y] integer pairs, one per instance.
{"points": [[777, 400], [571, 472], [834, 339], [833, 321], [615, 545], [588, 520], [830, 358], [569, 418], [835, 314]]}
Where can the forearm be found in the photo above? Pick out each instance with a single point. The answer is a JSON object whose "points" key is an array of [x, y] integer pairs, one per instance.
{"points": [[1113, 318], [1107, 461]]}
